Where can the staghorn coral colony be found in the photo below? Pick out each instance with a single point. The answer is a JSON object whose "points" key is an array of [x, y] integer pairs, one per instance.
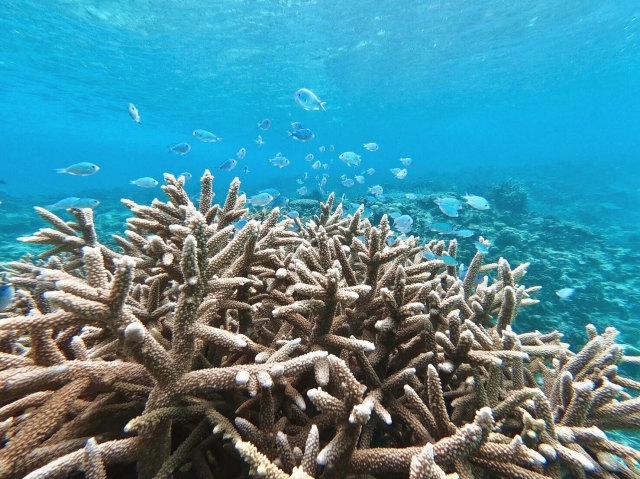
{"points": [[199, 351]]}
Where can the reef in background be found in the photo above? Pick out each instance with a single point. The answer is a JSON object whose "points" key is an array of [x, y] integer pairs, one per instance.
{"points": [[317, 352]]}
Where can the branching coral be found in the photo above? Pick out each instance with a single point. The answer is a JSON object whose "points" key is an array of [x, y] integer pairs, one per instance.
{"points": [[198, 351]]}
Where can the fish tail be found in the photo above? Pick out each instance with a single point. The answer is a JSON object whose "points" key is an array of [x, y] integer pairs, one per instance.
{"points": [[61, 170], [289, 133], [322, 104]]}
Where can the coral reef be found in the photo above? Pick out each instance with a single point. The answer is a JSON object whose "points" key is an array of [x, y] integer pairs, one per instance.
{"points": [[200, 351], [509, 195]]}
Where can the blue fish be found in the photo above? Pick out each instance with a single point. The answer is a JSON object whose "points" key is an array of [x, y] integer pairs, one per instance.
{"points": [[448, 260], [86, 203], [264, 124], [145, 182], [300, 133], [448, 210], [280, 201], [464, 233], [272, 191], [64, 204], [80, 169], [180, 148], [429, 255], [228, 165], [462, 271], [442, 228], [293, 214], [6, 295], [481, 247], [238, 225]]}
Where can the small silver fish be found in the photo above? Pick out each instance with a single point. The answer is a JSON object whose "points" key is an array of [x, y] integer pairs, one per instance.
{"points": [[316, 165], [264, 124], [447, 200], [411, 196], [302, 191], [359, 179], [145, 182], [259, 141], [186, 175], [86, 203], [228, 165], [348, 182], [350, 158], [79, 169], [64, 204], [406, 162], [322, 149], [180, 148], [371, 146], [206, 136], [309, 157], [272, 191], [261, 199], [464, 233], [279, 161], [402, 174], [403, 221], [308, 100], [376, 190], [133, 113], [477, 202], [241, 153], [566, 293], [331, 148]]}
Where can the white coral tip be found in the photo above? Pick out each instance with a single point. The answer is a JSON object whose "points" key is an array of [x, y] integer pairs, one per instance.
{"points": [[242, 378], [134, 332]]}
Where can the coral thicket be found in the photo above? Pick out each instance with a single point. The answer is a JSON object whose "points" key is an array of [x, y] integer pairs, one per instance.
{"points": [[200, 351]]}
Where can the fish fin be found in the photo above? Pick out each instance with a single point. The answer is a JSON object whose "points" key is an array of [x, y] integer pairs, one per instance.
{"points": [[322, 104], [289, 133], [132, 182], [61, 170]]}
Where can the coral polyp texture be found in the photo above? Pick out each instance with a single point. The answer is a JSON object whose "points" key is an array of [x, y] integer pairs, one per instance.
{"points": [[328, 351]]}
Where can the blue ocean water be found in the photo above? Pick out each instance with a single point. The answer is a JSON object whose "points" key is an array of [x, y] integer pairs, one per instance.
{"points": [[543, 94]]}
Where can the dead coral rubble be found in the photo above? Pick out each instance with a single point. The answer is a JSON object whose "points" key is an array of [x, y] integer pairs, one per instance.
{"points": [[197, 352]]}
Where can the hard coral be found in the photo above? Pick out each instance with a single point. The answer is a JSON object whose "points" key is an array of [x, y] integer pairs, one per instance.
{"points": [[300, 351], [509, 195]]}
